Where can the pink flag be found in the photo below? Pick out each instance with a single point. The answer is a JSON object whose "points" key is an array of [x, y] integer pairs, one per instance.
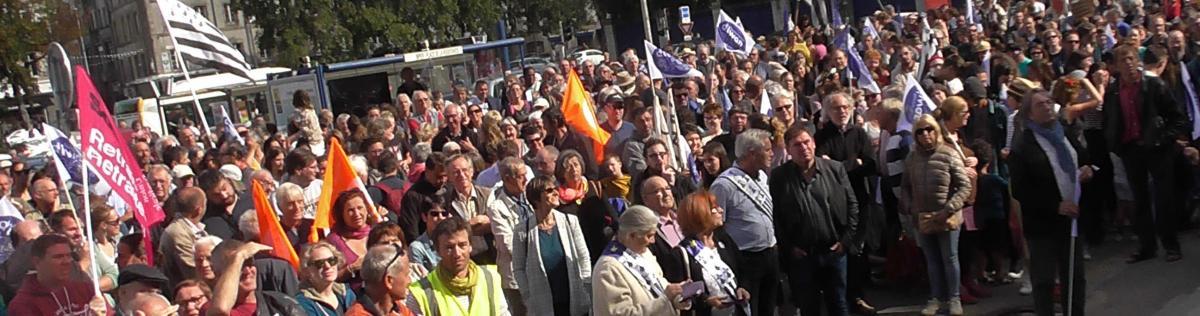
{"points": [[107, 152]]}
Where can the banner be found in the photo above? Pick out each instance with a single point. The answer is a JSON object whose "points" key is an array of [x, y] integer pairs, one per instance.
{"points": [[230, 130], [916, 103], [731, 36], [663, 64], [270, 233], [339, 177], [107, 152]]}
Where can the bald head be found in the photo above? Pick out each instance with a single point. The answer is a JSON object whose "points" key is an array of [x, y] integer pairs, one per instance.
{"points": [[657, 195], [26, 231], [45, 194], [149, 304], [190, 202]]}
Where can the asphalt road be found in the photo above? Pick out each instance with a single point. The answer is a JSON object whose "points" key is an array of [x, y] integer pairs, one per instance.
{"points": [[1149, 288]]}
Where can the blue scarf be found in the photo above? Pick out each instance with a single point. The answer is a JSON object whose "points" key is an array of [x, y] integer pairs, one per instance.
{"points": [[1057, 138]]}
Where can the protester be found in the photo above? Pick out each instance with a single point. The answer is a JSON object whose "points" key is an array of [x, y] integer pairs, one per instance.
{"points": [[708, 254], [321, 293], [1046, 155], [548, 256], [627, 278], [236, 289], [456, 276], [385, 284], [742, 191], [57, 275], [933, 189]]}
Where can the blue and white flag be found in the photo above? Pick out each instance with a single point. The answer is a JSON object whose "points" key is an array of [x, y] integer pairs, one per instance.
{"points": [[67, 156], [230, 130], [662, 64], [916, 103], [1192, 102], [732, 37], [9, 217], [869, 29], [855, 66]]}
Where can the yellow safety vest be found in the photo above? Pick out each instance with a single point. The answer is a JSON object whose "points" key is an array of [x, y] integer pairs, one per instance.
{"points": [[444, 303]]}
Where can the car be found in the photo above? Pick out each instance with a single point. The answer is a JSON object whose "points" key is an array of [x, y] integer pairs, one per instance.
{"points": [[592, 55], [538, 63]]}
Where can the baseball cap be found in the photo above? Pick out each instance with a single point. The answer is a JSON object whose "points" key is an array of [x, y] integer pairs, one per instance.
{"points": [[181, 171], [141, 273]]}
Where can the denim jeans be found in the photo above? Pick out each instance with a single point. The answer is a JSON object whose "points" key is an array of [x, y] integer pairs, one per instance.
{"points": [[816, 278], [941, 257]]}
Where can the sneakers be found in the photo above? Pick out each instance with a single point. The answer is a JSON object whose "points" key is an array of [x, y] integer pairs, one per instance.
{"points": [[932, 307], [1026, 287], [955, 307]]}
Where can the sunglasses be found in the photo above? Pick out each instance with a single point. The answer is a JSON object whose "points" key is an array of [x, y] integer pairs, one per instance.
{"points": [[782, 108], [927, 129], [399, 252], [438, 213], [322, 263]]}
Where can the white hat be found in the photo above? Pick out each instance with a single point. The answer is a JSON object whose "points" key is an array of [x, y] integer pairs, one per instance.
{"points": [[181, 171], [232, 172]]}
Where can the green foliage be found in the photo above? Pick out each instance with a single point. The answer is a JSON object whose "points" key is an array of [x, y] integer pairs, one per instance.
{"points": [[26, 29]]}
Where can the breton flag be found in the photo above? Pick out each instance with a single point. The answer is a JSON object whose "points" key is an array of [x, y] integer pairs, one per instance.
{"points": [[1192, 102], [580, 114], [855, 66], [201, 42], [916, 103], [270, 233], [732, 37], [663, 64], [339, 177]]}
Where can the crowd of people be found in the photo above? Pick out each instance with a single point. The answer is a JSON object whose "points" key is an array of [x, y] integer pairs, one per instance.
{"points": [[780, 184]]}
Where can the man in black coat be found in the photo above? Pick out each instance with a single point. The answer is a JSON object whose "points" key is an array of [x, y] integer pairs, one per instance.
{"points": [[415, 201], [1144, 126], [816, 223], [842, 141]]}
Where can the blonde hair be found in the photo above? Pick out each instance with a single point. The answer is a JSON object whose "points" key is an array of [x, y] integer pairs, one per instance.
{"points": [[950, 107], [927, 120]]}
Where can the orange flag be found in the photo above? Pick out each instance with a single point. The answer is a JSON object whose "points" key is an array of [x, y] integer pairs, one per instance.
{"points": [[270, 233], [339, 177], [580, 114]]}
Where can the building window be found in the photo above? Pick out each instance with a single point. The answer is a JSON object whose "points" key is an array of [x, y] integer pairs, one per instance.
{"points": [[231, 15], [203, 10]]}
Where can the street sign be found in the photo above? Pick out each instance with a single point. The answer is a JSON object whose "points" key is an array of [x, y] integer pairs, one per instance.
{"points": [[433, 53], [59, 66]]}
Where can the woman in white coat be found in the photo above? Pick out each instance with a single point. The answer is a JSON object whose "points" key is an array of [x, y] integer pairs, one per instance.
{"points": [[551, 263], [627, 279]]}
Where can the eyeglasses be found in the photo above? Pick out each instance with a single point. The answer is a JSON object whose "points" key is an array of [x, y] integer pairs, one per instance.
{"points": [[322, 263], [927, 129]]}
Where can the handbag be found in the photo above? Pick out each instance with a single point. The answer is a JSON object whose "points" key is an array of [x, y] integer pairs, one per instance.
{"points": [[927, 224]]}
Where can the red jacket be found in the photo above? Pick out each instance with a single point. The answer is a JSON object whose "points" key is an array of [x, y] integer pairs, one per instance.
{"points": [[69, 300]]}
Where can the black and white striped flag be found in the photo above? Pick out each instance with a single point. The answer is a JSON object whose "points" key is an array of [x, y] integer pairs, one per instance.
{"points": [[201, 42]]}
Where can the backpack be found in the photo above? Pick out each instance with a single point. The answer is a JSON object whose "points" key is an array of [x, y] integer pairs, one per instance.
{"points": [[391, 196]]}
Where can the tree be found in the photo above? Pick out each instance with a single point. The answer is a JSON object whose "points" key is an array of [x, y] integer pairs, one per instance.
{"points": [[339, 30], [28, 28], [543, 16]]}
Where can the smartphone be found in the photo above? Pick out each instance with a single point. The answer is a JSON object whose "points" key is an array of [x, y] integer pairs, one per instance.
{"points": [[691, 289]]}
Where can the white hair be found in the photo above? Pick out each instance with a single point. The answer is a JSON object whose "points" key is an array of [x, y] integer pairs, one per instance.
{"points": [[360, 165], [288, 192], [636, 220], [751, 140], [248, 225], [378, 263]]}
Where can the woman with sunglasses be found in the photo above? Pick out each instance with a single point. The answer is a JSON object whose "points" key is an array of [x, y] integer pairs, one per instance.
{"points": [[935, 181], [549, 255], [320, 293], [423, 252]]}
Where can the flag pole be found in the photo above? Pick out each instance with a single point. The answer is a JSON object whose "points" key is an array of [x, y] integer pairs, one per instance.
{"points": [[87, 213], [660, 120]]}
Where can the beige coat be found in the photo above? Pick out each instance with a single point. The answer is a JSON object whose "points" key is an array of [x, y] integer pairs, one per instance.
{"points": [[615, 291]]}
